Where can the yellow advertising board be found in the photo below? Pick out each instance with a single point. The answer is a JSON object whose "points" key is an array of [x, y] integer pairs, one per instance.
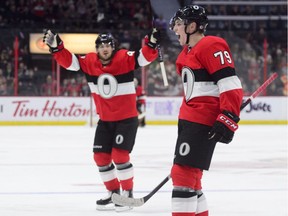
{"points": [[75, 43]]}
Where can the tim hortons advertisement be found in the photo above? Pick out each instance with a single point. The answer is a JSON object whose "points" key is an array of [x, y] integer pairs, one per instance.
{"points": [[159, 110], [46, 111]]}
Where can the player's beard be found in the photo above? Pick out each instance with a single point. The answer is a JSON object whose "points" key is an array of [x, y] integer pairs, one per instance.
{"points": [[106, 57]]}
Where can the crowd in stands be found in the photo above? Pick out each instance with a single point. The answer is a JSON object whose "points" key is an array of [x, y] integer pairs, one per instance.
{"points": [[243, 9], [6, 70], [75, 86], [129, 21], [72, 15]]}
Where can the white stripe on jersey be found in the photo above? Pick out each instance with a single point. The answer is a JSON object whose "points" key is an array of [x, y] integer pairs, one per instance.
{"points": [[122, 88], [184, 205], [203, 89], [75, 66], [229, 83], [210, 89], [142, 61]]}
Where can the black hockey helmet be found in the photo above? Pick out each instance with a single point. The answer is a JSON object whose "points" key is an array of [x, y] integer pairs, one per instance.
{"points": [[105, 38], [189, 14]]}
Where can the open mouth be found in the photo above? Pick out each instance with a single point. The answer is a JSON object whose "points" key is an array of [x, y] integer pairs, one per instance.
{"points": [[105, 55]]}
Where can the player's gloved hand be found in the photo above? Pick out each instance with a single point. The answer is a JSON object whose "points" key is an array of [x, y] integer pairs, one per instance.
{"points": [[153, 38], [53, 41], [224, 127]]}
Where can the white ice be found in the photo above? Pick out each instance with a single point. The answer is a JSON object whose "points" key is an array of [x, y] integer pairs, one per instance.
{"points": [[49, 171]]}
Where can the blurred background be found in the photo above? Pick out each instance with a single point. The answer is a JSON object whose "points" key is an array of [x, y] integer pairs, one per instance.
{"points": [[255, 30]]}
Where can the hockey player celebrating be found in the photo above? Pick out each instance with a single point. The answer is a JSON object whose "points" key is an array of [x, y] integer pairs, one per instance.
{"points": [[109, 73], [210, 109]]}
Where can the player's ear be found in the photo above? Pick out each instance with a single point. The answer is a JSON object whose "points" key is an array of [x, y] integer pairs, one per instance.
{"points": [[191, 27]]}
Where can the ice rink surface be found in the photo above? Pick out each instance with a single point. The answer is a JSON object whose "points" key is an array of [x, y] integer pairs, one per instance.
{"points": [[49, 171]]}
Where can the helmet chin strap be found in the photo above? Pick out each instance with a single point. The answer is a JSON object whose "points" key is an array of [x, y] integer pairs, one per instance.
{"points": [[189, 34]]}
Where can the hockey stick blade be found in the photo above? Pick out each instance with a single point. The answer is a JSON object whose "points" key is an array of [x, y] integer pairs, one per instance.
{"points": [[136, 202], [127, 201]]}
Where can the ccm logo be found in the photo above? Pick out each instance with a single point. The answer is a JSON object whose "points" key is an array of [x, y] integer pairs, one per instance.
{"points": [[231, 124]]}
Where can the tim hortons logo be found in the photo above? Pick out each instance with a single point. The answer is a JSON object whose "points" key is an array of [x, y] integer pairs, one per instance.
{"points": [[50, 109], [259, 107]]}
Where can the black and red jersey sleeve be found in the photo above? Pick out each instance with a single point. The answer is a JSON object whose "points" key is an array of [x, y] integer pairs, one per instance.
{"points": [[67, 60], [216, 57], [145, 55]]}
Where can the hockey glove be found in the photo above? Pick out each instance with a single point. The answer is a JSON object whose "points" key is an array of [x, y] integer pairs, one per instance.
{"points": [[153, 38], [224, 127], [53, 41]]}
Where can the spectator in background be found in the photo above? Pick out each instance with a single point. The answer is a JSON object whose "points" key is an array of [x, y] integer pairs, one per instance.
{"points": [[284, 80], [48, 88], [140, 103], [84, 91], [155, 81], [3, 83], [233, 10], [161, 23], [31, 89], [64, 88], [140, 17], [73, 88]]}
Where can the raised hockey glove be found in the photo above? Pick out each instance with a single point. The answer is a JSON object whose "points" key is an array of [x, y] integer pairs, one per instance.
{"points": [[53, 41], [153, 38], [224, 127]]}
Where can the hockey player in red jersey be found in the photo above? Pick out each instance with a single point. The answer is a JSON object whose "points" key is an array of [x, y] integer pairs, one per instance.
{"points": [[210, 109], [110, 73]]}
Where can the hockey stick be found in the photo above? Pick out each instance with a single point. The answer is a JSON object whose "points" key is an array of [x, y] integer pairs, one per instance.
{"points": [[162, 67], [259, 90], [160, 55], [135, 202]]}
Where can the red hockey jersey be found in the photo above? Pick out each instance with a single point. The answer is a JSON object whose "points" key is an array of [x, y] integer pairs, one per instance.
{"points": [[209, 79], [111, 85]]}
